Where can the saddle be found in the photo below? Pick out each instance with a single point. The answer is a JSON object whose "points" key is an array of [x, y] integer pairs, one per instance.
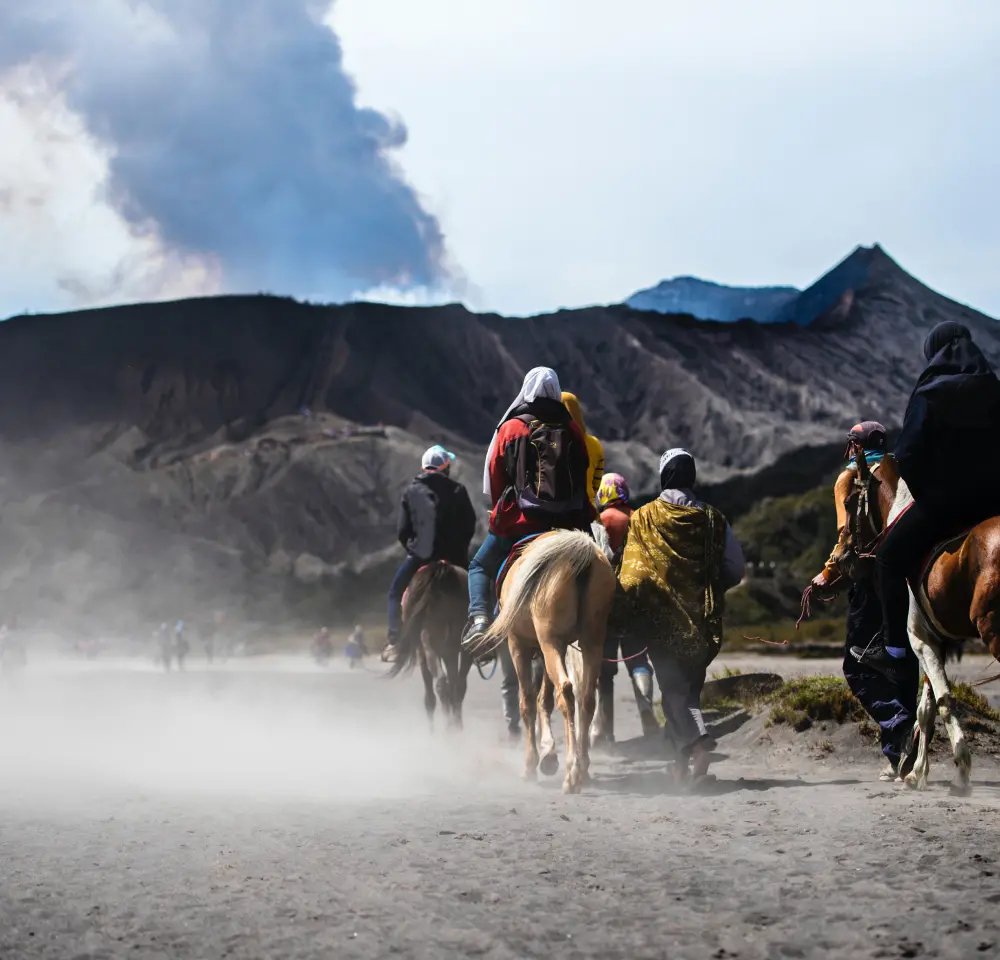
{"points": [[515, 553]]}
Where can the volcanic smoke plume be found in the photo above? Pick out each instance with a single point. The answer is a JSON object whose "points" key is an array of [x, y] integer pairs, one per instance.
{"points": [[234, 137]]}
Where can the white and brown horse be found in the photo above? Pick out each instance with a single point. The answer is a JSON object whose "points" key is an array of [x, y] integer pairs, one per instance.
{"points": [[958, 599], [556, 596]]}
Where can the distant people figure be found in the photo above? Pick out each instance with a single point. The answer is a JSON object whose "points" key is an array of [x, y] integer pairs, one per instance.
{"points": [[436, 522], [164, 642], [181, 645], [679, 559], [359, 640], [356, 648], [322, 646]]}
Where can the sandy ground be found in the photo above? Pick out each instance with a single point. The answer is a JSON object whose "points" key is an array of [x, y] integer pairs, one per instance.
{"points": [[271, 809]]}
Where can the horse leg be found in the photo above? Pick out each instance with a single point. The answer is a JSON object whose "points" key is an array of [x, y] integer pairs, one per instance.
{"points": [[460, 684], [522, 667], [587, 696], [555, 667], [933, 661], [449, 662], [917, 777], [430, 701], [546, 702]]}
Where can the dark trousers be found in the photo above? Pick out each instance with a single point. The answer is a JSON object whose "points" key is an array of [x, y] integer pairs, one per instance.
{"points": [[680, 686], [406, 572], [893, 706]]}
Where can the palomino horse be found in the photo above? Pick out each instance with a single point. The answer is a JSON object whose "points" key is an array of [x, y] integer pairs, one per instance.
{"points": [[434, 611], [959, 599], [557, 593]]}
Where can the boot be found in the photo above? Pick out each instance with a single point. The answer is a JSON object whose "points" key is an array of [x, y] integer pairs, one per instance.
{"points": [[602, 730], [642, 687]]}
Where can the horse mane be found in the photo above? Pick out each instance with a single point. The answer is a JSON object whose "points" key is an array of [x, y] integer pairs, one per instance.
{"points": [[541, 567], [430, 581]]}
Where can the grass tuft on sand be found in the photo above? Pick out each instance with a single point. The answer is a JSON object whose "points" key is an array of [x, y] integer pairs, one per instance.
{"points": [[800, 703], [974, 703]]}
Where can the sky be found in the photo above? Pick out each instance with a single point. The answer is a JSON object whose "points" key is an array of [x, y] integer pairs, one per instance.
{"points": [[518, 156]]}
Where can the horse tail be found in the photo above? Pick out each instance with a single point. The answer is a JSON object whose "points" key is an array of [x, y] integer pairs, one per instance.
{"points": [[419, 597], [541, 571]]}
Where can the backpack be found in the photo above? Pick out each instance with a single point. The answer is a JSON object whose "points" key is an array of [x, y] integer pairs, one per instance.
{"points": [[549, 469]]}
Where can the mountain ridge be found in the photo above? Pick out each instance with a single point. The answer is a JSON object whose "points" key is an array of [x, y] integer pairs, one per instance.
{"points": [[253, 448]]}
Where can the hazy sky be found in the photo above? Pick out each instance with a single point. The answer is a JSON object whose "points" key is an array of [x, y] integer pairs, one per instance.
{"points": [[571, 151]]}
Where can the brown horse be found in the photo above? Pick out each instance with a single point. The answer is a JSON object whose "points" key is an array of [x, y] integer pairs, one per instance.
{"points": [[558, 593], [434, 611], [958, 600]]}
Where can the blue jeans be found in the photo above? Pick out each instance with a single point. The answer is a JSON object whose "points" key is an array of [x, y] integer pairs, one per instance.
{"points": [[406, 572], [483, 574]]}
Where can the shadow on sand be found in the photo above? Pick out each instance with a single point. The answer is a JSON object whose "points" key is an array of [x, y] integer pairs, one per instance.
{"points": [[651, 783]]}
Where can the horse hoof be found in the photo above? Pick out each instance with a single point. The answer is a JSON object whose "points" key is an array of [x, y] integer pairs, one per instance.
{"points": [[549, 764], [961, 790], [529, 776]]}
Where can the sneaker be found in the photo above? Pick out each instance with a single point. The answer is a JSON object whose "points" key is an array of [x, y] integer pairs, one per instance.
{"points": [[888, 773], [472, 638], [877, 658], [475, 630], [389, 653]]}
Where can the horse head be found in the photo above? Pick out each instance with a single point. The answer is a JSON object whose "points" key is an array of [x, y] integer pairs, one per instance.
{"points": [[853, 556]]}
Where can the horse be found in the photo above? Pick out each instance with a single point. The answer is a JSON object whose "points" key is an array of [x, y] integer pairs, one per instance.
{"points": [[556, 596], [958, 600], [434, 612]]}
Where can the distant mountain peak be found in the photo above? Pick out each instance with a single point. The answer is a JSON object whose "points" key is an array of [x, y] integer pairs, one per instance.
{"points": [[863, 268], [708, 300]]}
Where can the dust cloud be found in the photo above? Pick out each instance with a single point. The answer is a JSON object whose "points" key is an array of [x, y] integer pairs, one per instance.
{"points": [[273, 728]]}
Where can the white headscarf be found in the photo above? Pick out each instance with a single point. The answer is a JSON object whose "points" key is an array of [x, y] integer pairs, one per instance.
{"points": [[538, 382]]}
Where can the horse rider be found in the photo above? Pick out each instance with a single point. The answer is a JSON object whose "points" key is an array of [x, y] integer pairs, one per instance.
{"points": [[614, 502], [436, 521], [891, 703], [680, 557], [595, 449], [536, 478], [948, 454]]}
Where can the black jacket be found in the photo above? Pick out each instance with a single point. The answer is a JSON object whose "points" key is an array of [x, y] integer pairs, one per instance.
{"points": [[436, 519], [949, 448]]}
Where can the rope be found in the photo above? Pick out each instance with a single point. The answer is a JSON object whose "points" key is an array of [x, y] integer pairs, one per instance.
{"points": [[773, 643], [805, 611], [635, 656], [982, 683]]}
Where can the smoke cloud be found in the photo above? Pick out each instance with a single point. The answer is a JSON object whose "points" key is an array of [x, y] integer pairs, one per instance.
{"points": [[234, 137]]}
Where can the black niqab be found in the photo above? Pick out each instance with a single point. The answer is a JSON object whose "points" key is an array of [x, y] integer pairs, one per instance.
{"points": [[958, 380], [942, 335]]}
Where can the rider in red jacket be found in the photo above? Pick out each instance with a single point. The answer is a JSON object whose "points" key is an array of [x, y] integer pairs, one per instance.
{"points": [[540, 398]]}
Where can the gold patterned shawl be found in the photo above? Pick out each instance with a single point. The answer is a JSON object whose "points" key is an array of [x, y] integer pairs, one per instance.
{"points": [[671, 579]]}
